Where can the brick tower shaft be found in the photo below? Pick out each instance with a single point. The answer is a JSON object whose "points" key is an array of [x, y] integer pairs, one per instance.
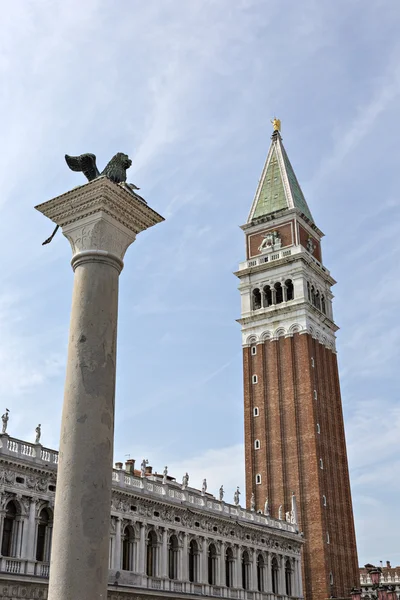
{"points": [[294, 430]]}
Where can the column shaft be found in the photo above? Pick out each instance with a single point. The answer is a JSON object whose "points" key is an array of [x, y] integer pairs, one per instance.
{"points": [[79, 561], [118, 544]]}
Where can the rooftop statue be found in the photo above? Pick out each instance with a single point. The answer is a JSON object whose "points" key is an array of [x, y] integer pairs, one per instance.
{"points": [[276, 124], [115, 170]]}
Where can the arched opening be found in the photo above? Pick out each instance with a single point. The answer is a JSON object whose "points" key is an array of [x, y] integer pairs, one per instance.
{"points": [[260, 573], [212, 564], [288, 578], [245, 570], [278, 293], [256, 299], [193, 561], [308, 291], [323, 305], [318, 300], [128, 549], [313, 301], [43, 542], [274, 575], [173, 557], [8, 541], [289, 289], [151, 563], [267, 296], [229, 566]]}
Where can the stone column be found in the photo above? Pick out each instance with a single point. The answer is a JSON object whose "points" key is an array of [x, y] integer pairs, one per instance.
{"points": [[184, 572], [204, 562], [268, 579], [222, 570], [117, 550], [253, 569], [164, 554], [100, 220], [142, 549]]}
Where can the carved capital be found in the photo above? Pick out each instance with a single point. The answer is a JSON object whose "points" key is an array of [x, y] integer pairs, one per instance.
{"points": [[100, 219]]}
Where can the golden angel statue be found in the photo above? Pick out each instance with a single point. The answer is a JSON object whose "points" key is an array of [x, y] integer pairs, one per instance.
{"points": [[276, 124]]}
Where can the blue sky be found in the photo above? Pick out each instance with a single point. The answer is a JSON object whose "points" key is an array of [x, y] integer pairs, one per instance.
{"points": [[187, 89]]}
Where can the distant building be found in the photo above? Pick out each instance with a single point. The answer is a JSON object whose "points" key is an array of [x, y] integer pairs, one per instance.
{"points": [[390, 576], [166, 539], [294, 432]]}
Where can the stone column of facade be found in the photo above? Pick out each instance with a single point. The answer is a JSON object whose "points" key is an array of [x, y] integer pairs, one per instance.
{"points": [[299, 585], [184, 572], [268, 574], [238, 567], [100, 219], [253, 581], [29, 533], [117, 549], [204, 562], [142, 550], [164, 554], [281, 576], [222, 570]]}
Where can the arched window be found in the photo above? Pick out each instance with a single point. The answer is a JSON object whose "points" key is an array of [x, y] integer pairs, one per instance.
{"points": [[274, 575], [256, 412], [43, 541], [257, 444], [324, 500], [331, 578], [254, 379], [193, 562], [253, 350], [313, 301], [256, 299], [128, 549], [308, 291], [289, 289], [260, 573], [267, 296], [323, 305], [151, 568], [212, 564], [321, 463], [8, 541], [288, 578], [278, 293], [173, 557], [318, 428], [318, 300], [229, 566], [258, 479], [245, 570]]}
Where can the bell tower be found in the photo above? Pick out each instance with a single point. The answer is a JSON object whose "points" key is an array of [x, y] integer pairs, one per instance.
{"points": [[294, 431]]}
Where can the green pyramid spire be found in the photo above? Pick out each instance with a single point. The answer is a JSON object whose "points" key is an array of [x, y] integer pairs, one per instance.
{"points": [[278, 188]]}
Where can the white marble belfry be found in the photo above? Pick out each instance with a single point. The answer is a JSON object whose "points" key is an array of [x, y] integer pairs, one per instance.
{"points": [[100, 219]]}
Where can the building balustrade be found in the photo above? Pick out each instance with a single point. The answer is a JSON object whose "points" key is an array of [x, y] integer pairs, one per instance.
{"points": [[127, 580]]}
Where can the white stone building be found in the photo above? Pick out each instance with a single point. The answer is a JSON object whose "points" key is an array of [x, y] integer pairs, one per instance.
{"points": [[164, 540]]}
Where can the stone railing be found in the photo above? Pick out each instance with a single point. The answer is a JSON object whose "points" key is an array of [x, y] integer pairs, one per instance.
{"points": [[19, 566], [151, 485], [33, 452], [124, 579], [191, 497], [272, 256]]}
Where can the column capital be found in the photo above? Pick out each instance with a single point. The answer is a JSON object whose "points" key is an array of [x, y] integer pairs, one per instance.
{"points": [[100, 220]]}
